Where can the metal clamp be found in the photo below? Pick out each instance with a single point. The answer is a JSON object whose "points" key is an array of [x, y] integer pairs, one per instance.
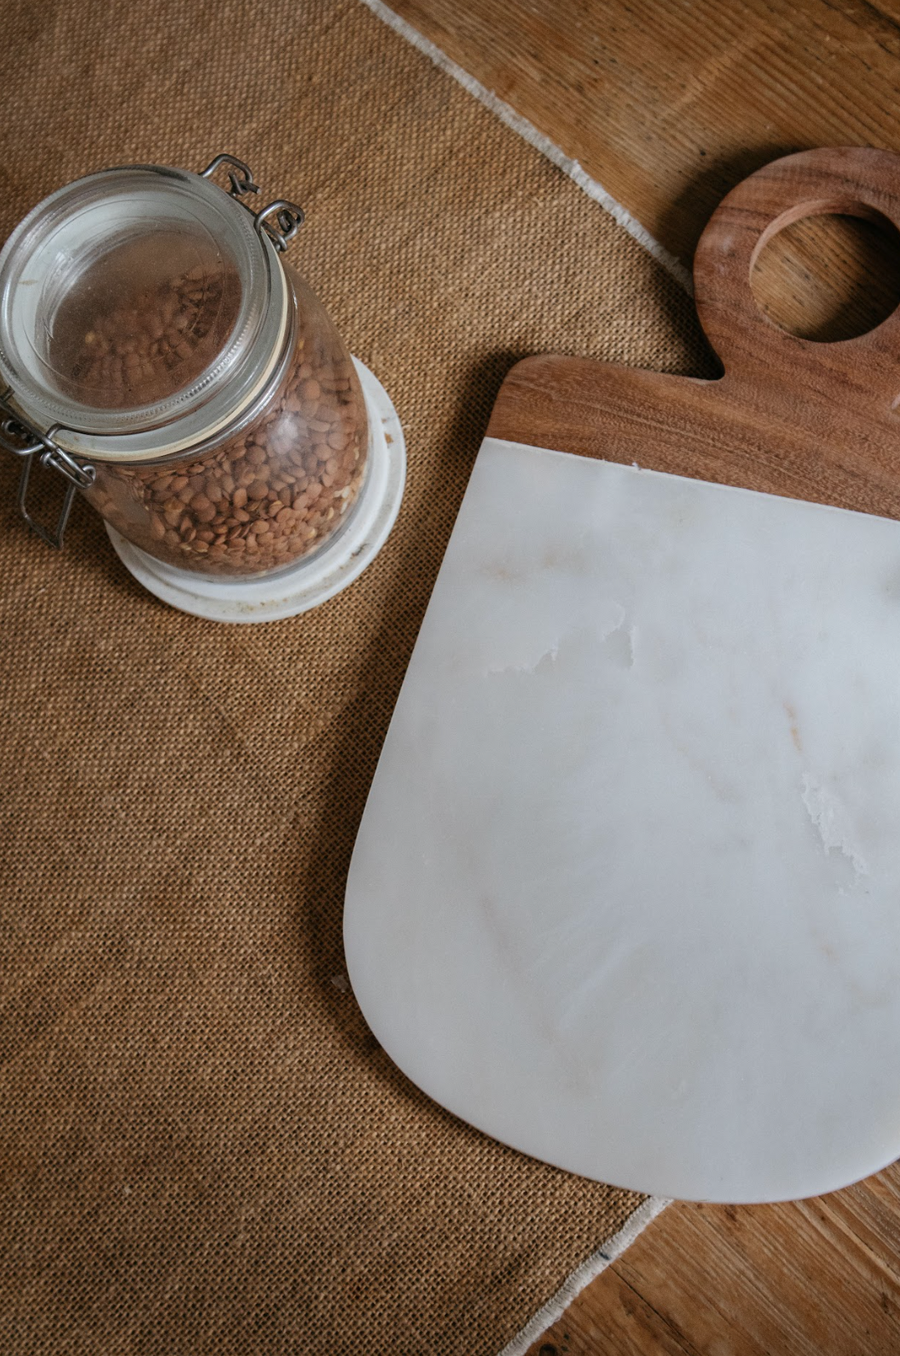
{"points": [[288, 217], [20, 437], [240, 176], [288, 220]]}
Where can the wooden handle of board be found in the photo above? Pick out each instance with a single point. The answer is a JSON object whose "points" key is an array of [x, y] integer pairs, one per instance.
{"points": [[790, 416], [853, 181]]}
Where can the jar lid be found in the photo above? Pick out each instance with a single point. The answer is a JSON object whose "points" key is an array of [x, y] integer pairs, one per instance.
{"points": [[140, 309]]}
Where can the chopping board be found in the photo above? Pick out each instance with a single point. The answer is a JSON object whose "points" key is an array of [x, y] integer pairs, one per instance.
{"points": [[626, 892]]}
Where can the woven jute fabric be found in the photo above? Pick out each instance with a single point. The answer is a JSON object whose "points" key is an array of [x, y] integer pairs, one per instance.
{"points": [[203, 1147]]}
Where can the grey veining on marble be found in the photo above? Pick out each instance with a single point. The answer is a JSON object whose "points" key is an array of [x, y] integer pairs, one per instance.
{"points": [[626, 893]]}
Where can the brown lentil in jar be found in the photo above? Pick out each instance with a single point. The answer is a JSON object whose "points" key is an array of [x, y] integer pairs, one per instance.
{"points": [[266, 495], [133, 345]]}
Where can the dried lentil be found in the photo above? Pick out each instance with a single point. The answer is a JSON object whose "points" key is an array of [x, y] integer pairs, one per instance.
{"points": [[267, 495]]}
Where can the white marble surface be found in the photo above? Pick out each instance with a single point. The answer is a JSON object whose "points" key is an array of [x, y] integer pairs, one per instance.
{"points": [[626, 894]]}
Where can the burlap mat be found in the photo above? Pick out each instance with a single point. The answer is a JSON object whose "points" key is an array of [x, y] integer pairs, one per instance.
{"points": [[204, 1150]]}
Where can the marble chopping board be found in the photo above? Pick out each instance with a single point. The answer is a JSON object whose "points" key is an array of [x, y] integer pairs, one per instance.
{"points": [[626, 892]]}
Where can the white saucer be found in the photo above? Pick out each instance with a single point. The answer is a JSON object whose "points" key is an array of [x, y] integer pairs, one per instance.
{"points": [[309, 582]]}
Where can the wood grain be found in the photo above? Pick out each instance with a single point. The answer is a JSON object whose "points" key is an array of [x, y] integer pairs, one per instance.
{"points": [[818, 1276], [669, 105], [790, 416]]}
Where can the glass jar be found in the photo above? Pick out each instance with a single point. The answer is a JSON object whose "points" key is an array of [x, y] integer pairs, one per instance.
{"points": [[157, 351]]}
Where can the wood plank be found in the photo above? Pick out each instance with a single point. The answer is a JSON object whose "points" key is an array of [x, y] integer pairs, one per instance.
{"points": [[612, 1318], [670, 105], [778, 1280]]}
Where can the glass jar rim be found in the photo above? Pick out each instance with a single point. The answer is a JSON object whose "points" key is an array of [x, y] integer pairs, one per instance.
{"points": [[84, 216]]}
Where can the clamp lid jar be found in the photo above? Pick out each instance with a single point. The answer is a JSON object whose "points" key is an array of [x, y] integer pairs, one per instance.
{"points": [[157, 351]]}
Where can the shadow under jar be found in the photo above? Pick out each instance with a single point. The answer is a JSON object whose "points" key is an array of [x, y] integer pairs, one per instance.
{"points": [[152, 334]]}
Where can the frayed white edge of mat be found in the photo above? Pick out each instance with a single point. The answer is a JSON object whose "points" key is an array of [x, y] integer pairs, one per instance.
{"points": [[583, 1275], [654, 1205], [530, 133]]}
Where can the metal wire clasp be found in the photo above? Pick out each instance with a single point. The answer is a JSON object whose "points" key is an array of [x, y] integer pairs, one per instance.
{"points": [[20, 437], [280, 221]]}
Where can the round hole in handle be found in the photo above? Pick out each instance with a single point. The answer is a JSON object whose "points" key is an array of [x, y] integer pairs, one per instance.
{"points": [[828, 276], [848, 181]]}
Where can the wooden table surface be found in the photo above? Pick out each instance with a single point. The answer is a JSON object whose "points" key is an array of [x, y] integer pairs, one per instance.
{"points": [[669, 103]]}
